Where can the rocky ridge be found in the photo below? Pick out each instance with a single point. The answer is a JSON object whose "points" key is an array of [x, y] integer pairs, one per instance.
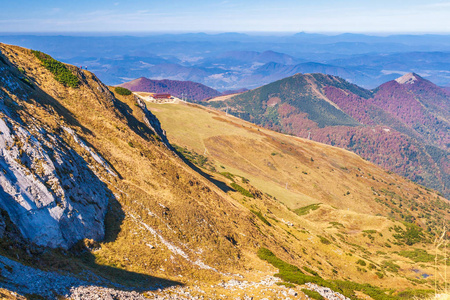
{"points": [[41, 175], [186, 229]]}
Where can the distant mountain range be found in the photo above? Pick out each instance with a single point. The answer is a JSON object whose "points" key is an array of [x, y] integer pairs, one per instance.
{"points": [[96, 203], [234, 60], [182, 89], [403, 125]]}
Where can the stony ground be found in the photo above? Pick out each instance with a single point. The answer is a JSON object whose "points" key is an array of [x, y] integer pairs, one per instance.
{"points": [[24, 280]]}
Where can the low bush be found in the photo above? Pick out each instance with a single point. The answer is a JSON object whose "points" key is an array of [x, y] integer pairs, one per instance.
{"points": [[310, 271], [417, 255], [293, 274], [194, 157], [241, 190], [313, 294], [306, 209], [361, 262], [390, 266], [324, 240], [62, 74], [261, 217], [413, 234], [122, 91]]}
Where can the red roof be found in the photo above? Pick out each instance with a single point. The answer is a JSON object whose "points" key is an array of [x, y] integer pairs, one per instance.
{"points": [[160, 96]]}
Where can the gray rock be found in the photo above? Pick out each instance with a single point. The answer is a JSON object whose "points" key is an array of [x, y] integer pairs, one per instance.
{"points": [[50, 192]]}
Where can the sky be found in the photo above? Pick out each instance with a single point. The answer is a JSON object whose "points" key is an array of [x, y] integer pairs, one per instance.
{"points": [[324, 16]]}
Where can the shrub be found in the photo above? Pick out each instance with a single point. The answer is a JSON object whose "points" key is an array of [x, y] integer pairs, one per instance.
{"points": [[416, 294], [122, 91], [194, 157], [337, 225], [324, 240], [241, 190], [291, 273], [261, 217], [267, 255], [27, 81], [310, 271], [62, 74], [413, 234], [286, 284], [228, 175], [417, 255], [306, 209], [390, 266], [313, 294], [361, 262]]}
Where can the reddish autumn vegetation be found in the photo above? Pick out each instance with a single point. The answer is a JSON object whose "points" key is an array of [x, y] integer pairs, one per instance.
{"points": [[403, 125], [186, 89]]}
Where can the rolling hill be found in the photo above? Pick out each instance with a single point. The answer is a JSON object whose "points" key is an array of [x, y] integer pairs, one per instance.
{"points": [[194, 214], [403, 125], [187, 89], [229, 61], [323, 183]]}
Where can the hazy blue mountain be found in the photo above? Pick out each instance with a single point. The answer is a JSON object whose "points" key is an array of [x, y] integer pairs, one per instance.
{"points": [[236, 60]]}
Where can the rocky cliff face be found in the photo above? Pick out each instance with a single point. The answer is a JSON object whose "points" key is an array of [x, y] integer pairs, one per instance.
{"points": [[153, 123], [49, 189]]}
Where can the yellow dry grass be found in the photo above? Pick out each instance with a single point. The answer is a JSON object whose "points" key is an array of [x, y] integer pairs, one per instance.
{"points": [[191, 212], [299, 172], [223, 98]]}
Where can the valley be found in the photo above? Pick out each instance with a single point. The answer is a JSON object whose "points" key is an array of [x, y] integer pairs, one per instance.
{"points": [[196, 203], [402, 125]]}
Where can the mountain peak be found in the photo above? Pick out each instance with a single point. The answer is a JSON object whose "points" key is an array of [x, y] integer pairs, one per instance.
{"points": [[192, 90], [409, 78]]}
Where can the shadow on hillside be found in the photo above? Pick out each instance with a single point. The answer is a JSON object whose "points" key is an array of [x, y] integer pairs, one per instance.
{"points": [[29, 260], [137, 126], [40, 96], [126, 279], [117, 277], [79, 264], [220, 184], [141, 129]]}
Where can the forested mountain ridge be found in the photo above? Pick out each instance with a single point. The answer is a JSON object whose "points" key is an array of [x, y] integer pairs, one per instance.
{"points": [[403, 125]]}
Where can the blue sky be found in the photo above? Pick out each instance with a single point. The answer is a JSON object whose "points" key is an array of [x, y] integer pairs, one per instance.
{"points": [[370, 16]]}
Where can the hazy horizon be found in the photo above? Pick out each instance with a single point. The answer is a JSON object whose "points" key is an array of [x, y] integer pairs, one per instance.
{"points": [[250, 33], [382, 17]]}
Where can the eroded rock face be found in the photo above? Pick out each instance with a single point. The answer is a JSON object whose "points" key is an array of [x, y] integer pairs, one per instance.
{"points": [[153, 123], [50, 192], [47, 189]]}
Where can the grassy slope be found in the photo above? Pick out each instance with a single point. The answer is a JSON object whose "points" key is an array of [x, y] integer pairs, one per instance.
{"points": [[270, 160], [304, 108], [156, 186]]}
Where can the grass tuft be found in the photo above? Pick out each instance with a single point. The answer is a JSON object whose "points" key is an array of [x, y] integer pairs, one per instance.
{"points": [[241, 190], [306, 209], [261, 217]]}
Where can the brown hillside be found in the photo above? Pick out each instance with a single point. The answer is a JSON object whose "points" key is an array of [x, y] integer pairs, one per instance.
{"points": [[182, 89], [401, 127], [201, 220]]}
